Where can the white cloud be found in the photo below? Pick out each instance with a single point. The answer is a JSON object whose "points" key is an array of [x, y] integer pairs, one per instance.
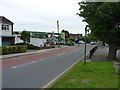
{"points": [[42, 14]]}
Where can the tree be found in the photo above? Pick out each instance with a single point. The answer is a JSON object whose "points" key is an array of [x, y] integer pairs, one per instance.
{"points": [[104, 21], [25, 36], [67, 35]]}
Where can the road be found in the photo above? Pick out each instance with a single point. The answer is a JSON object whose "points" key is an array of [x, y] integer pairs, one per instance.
{"points": [[40, 71]]}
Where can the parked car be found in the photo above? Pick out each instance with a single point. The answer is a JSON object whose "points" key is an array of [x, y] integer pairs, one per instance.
{"points": [[81, 42], [92, 43]]}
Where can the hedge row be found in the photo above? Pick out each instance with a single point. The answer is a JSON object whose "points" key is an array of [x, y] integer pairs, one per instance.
{"points": [[13, 49], [32, 47]]}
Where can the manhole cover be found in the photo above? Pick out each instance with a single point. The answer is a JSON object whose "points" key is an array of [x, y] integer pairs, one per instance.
{"points": [[85, 81]]}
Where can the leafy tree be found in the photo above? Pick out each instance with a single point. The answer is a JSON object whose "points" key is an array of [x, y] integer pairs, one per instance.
{"points": [[91, 37], [104, 21], [25, 36], [67, 35]]}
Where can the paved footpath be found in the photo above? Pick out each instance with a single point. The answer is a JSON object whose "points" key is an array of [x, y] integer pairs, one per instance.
{"points": [[9, 62], [101, 54]]}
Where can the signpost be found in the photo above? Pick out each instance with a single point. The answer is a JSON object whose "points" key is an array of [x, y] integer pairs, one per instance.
{"points": [[85, 44]]}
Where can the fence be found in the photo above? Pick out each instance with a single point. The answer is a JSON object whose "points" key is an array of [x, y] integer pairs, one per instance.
{"points": [[92, 51]]}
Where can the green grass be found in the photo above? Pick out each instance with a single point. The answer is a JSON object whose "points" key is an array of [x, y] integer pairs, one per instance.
{"points": [[98, 75]]}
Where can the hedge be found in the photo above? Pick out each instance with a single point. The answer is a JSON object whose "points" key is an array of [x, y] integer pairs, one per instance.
{"points": [[13, 49], [32, 47]]}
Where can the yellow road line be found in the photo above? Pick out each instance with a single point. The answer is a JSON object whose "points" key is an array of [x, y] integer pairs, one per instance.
{"points": [[48, 84]]}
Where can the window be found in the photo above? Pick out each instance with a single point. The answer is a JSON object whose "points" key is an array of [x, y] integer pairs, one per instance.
{"points": [[5, 27]]}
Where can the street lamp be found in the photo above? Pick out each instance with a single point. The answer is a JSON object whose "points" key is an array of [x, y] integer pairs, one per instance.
{"points": [[86, 29], [58, 33]]}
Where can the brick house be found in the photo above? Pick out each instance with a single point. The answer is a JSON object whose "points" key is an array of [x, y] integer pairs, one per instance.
{"points": [[75, 35]]}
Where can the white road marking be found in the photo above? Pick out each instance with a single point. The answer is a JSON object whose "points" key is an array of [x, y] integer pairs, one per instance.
{"points": [[33, 61], [60, 54], [13, 67], [29, 63], [22, 65]]}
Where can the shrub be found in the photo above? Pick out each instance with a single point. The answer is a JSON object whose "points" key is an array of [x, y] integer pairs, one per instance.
{"points": [[71, 44], [32, 47], [13, 49], [0, 50], [53, 46]]}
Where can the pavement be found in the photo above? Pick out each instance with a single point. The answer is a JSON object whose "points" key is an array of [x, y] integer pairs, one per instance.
{"points": [[31, 52], [101, 53]]}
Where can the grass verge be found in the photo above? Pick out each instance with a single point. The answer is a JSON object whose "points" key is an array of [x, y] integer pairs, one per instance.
{"points": [[91, 75]]}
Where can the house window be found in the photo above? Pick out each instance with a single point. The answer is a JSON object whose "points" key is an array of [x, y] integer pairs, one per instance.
{"points": [[5, 27]]}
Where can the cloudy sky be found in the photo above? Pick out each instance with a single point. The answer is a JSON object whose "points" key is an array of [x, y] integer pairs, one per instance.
{"points": [[42, 15]]}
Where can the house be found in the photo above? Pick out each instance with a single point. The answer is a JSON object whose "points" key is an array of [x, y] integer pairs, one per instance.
{"points": [[40, 38], [6, 32], [75, 35]]}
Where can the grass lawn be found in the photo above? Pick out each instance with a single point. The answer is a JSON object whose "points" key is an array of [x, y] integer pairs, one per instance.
{"points": [[91, 75]]}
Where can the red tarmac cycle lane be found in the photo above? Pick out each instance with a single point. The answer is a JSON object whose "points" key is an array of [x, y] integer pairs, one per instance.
{"points": [[6, 63]]}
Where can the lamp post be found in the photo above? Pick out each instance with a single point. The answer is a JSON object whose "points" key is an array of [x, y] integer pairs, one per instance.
{"points": [[58, 33], [85, 44]]}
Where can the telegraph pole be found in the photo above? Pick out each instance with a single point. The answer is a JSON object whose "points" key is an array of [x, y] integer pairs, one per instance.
{"points": [[58, 33]]}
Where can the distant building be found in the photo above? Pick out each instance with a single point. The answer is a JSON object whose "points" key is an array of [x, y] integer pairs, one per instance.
{"points": [[6, 32], [75, 35], [40, 41]]}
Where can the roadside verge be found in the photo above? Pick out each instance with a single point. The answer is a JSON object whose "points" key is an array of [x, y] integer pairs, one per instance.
{"points": [[65, 71], [62, 74]]}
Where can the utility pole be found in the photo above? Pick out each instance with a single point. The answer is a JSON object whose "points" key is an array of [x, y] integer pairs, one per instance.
{"points": [[58, 33]]}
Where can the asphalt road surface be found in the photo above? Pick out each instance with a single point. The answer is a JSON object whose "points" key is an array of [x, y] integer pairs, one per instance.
{"points": [[40, 71]]}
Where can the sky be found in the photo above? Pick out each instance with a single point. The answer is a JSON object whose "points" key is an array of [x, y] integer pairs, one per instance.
{"points": [[42, 15]]}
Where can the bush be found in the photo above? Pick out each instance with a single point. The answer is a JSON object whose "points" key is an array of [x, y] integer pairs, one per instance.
{"points": [[53, 46], [32, 47], [71, 44], [29, 46], [13, 49]]}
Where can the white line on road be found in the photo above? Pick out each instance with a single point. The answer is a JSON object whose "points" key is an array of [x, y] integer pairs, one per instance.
{"points": [[60, 54], [13, 67], [25, 64], [28, 63], [33, 61]]}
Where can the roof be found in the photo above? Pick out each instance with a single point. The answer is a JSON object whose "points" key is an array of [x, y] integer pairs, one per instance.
{"points": [[36, 32], [45, 33], [5, 20]]}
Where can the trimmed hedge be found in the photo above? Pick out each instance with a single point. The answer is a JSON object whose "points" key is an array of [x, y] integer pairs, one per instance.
{"points": [[13, 49], [32, 47]]}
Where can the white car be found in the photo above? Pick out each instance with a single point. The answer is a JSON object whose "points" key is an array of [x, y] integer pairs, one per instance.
{"points": [[92, 43], [80, 42]]}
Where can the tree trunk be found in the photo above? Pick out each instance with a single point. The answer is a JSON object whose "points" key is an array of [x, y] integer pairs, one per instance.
{"points": [[112, 51]]}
